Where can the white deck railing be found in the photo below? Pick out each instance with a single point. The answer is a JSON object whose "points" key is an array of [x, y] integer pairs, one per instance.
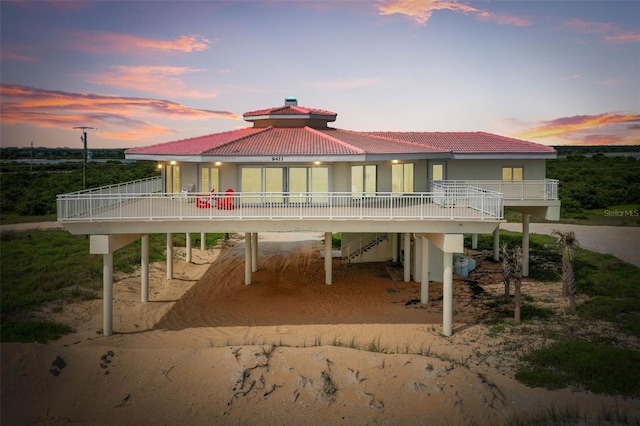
{"points": [[98, 199], [89, 206], [545, 189]]}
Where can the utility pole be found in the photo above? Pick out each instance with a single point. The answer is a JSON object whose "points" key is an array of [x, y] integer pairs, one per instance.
{"points": [[83, 138], [31, 163]]}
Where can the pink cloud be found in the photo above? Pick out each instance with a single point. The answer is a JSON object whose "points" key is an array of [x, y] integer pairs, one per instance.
{"points": [[421, 11], [610, 33], [15, 53], [164, 81], [100, 41], [624, 37], [120, 117], [599, 139], [612, 127]]}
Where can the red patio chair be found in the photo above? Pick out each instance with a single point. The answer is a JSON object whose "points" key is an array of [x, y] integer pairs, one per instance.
{"points": [[226, 203], [205, 201]]}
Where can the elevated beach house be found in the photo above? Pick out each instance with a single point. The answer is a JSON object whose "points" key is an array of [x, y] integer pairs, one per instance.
{"points": [[401, 196]]}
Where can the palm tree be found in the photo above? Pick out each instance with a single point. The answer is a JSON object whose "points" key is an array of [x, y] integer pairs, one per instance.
{"points": [[566, 241], [517, 283], [506, 271], [512, 273]]}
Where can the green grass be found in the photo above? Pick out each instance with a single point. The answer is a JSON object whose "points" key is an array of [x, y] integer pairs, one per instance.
{"points": [[32, 331], [595, 366], [612, 284], [613, 287], [38, 267]]}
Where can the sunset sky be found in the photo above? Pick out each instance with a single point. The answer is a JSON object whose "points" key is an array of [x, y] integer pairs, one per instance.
{"points": [[553, 72]]}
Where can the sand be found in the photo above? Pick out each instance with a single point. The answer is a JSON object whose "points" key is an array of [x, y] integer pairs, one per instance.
{"points": [[288, 349]]}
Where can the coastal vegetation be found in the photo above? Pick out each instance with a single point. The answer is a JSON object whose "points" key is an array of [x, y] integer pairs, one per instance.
{"points": [[42, 270]]}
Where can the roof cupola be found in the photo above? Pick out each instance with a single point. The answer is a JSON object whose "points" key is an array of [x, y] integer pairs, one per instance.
{"points": [[290, 101], [290, 115]]}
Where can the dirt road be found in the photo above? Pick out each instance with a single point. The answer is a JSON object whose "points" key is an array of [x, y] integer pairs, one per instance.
{"points": [[620, 241]]}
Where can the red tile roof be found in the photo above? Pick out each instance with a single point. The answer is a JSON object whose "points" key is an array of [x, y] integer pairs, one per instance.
{"points": [[373, 144], [468, 142], [307, 141], [196, 145], [278, 141], [289, 110]]}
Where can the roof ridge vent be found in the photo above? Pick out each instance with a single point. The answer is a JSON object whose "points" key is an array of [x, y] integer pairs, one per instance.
{"points": [[290, 101]]}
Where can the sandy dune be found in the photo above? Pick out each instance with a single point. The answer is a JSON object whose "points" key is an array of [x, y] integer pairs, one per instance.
{"points": [[286, 350]]}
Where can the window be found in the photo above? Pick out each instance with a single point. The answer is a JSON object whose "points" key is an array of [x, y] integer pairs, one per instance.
{"points": [[363, 180], [172, 179], [402, 178], [512, 173], [437, 171], [209, 179]]}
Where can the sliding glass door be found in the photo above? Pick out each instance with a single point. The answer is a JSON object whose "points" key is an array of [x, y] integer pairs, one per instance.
{"points": [[285, 185]]}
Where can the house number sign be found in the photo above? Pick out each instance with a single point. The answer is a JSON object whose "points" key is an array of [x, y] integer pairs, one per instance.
{"points": [[277, 158]]}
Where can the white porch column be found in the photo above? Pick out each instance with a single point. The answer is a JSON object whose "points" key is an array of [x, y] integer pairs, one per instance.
{"points": [[407, 257], [107, 294], [474, 241], [254, 252], [169, 256], [496, 244], [525, 245], [394, 246], [144, 269], [247, 258], [328, 258], [188, 239], [203, 241], [447, 294], [424, 287], [417, 274]]}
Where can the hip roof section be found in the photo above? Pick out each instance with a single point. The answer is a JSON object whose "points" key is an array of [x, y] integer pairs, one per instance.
{"points": [[468, 142], [306, 141], [291, 130]]}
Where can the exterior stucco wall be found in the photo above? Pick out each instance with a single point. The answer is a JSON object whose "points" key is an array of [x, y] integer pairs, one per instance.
{"points": [[188, 175], [380, 253], [229, 177], [340, 173], [492, 169], [341, 179], [421, 176]]}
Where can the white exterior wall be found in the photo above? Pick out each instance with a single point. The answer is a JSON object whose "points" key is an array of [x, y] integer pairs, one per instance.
{"points": [[188, 175], [383, 177], [341, 179], [382, 253], [379, 253], [421, 176], [492, 169], [229, 177]]}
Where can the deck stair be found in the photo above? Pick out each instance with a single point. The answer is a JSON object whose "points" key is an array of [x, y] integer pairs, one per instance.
{"points": [[362, 245]]}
